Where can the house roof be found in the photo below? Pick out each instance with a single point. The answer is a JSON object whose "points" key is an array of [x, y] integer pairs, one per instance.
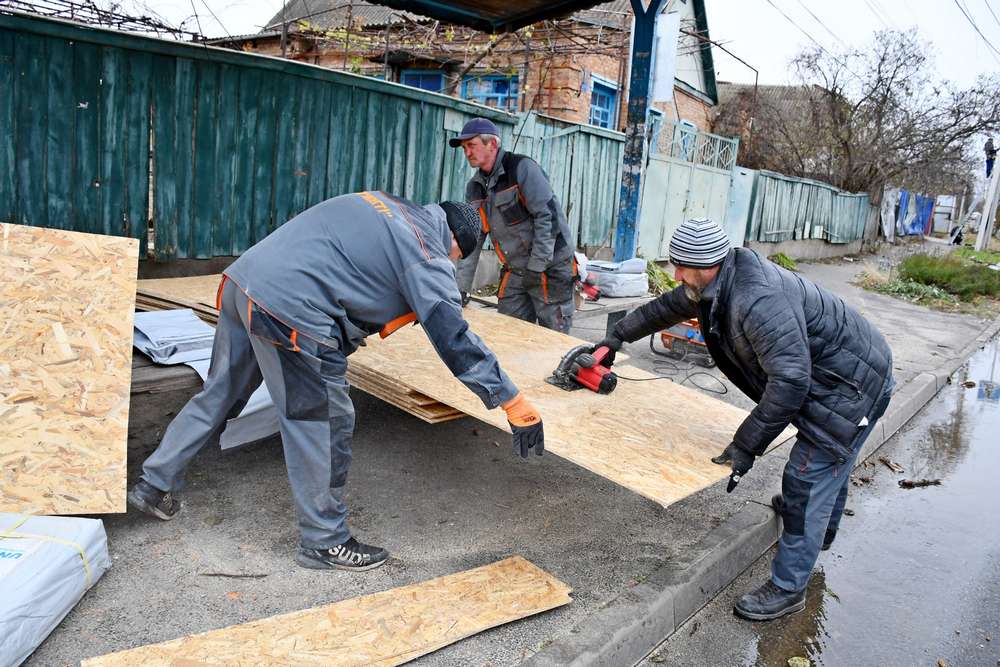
{"points": [[333, 14], [784, 100], [486, 15]]}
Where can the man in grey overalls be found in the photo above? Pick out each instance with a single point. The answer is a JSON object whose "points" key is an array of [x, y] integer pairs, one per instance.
{"points": [[291, 310], [527, 227]]}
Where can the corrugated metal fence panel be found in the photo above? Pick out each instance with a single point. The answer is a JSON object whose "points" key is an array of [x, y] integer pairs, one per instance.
{"points": [[231, 144], [786, 208], [584, 166]]}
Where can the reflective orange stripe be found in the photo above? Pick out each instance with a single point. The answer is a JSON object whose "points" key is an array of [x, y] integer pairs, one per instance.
{"points": [[295, 341], [576, 268], [218, 295], [249, 312], [503, 285], [482, 217], [397, 323], [496, 248], [545, 288]]}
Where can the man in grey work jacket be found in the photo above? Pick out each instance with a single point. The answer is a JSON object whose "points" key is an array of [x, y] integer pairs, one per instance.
{"points": [[291, 310], [806, 358], [527, 227]]}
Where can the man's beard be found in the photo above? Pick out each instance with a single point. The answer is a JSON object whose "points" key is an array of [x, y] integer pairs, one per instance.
{"points": [[693, 293]]}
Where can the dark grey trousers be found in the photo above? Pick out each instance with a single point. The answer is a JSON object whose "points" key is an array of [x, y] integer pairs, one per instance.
{"points": [[814, 487], [315, 415]]}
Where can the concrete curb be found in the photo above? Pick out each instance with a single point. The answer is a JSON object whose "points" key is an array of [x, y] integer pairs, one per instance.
{"points": [[628, 627]]}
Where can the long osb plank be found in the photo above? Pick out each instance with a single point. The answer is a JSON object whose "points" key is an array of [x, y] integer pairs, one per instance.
{"points": [[67, 301], [383, 629], [655, 438]]}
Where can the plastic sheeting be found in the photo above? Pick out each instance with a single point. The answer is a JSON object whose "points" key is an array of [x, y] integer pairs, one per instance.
{"points": [[915, 214], [47, 563], [786, 208], [178, 337]]}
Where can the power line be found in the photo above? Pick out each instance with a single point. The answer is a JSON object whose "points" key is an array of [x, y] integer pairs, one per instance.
{"points": [[885, 14], [813, 39], [976, 28], [819, 21], [221, 25], [876, 14], [197, 19], [987, 3]]}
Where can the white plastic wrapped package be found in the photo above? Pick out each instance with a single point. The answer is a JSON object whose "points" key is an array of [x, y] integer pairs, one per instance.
{"points": [[619, 279], [47, 563]]}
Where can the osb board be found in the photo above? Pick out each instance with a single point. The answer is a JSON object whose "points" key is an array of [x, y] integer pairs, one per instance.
{"points": [[66, 301], [655, 438], [383, 629], [194, 289]]}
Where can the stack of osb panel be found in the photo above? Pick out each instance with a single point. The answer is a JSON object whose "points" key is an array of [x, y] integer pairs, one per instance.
{"points": [[67, 301]]}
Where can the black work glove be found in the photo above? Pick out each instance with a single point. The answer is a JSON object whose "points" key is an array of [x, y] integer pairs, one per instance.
{"points": [[726, 457], [526, 438], [613, 343], [465, 298], [530, 279], [525, 426], [741, 464]]}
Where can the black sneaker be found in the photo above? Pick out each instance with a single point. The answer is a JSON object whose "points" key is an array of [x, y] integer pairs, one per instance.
{"points": [[768, 602], [351, 555], [148, 499], [778, 503]]}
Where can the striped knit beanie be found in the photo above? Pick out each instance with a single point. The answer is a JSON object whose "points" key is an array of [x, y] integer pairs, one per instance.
{"points": [[699, 243]]}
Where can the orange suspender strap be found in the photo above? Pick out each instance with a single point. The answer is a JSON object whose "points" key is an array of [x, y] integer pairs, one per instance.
{"points": [[397, 323], [218, 295], [545, 288], [503, 285], [486, 230]]}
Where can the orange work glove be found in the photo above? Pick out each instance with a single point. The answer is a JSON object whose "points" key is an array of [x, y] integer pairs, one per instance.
{"points": [[525, 425]]}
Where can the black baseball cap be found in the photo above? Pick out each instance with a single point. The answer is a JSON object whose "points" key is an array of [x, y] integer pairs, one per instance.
{"points": [[474, 128]]}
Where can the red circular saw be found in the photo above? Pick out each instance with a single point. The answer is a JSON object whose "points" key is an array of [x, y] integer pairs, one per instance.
{"points": [[585, 367]]}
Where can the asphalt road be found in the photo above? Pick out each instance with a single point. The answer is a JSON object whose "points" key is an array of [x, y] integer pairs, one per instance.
{"points": [[914, 576]]}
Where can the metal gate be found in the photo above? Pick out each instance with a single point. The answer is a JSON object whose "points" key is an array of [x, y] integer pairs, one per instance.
{"points": [[688, 175]]}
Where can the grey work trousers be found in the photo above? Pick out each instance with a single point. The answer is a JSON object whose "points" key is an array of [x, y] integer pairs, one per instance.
{"points": [[814, 488], [553, 309], [307, 383]]}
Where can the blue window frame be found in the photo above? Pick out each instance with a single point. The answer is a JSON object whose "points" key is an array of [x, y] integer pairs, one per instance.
{"points": [[603, 100], [425, 79], [492, 90]]}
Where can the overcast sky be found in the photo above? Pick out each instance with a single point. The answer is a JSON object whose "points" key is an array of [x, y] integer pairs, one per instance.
{"points": [[755, 30]]}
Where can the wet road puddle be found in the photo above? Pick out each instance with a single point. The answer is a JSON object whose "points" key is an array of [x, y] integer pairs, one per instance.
{"points": [[914, 576]]}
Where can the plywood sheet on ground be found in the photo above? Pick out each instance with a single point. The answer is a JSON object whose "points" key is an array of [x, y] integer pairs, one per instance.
{"points": [[384, 629], [653, 437], [198, 293], [66, 301]]}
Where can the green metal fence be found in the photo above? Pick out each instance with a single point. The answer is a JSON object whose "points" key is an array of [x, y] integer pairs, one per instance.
{"points": [[204, 151], [785, 208]]}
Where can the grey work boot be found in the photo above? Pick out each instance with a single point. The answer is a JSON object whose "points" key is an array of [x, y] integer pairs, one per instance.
{"points": [[778, 503], [351, 555], [769, 602], [148, 499]]}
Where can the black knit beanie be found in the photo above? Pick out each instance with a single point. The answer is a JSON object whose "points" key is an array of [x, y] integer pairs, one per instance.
{"points": [[463, 219]]}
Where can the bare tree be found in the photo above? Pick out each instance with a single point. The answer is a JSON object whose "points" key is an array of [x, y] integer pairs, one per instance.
{"points": [[862, 119]]}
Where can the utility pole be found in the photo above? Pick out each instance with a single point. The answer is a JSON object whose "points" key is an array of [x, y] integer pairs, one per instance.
{"points": [[635, 127], [989, 212]]}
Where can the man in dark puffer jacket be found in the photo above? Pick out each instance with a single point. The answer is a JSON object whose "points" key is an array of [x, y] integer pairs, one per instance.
{"points": [[806, 358]]}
